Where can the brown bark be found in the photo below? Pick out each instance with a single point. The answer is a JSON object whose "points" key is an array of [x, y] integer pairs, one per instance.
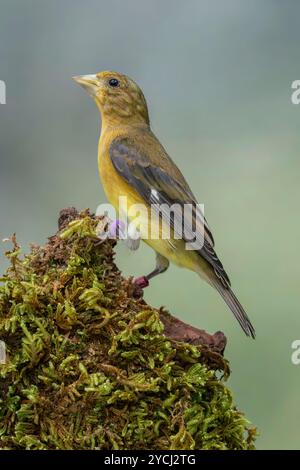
{"points": [[179, 331]]}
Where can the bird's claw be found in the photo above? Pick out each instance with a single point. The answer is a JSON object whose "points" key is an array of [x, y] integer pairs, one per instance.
{"points": [[141, 282], [117, 229], [108, 228]]}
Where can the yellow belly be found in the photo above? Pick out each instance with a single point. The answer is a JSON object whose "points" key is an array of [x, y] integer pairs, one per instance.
{"points": [[115, 187]]}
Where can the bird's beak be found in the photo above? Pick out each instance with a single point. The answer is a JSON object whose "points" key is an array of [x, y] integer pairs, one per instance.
{"points": [[89, 82]]}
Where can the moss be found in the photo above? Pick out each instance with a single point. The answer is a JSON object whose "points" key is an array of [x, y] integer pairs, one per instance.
{"points": [[88, 365]]}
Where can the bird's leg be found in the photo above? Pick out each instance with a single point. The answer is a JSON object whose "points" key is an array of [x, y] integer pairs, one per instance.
{"points": [[118, 229], [162, 265]]}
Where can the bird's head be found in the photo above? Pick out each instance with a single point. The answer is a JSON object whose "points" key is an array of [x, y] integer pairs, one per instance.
{"points": [[119, 98]]}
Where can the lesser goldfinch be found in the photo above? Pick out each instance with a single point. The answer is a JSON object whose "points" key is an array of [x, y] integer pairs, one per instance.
{"points": [[133, 163]]}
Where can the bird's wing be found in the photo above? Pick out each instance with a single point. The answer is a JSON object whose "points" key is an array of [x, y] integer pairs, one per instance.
{"points": [[157, 187]]}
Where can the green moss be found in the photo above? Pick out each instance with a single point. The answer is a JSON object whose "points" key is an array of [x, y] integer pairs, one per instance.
{"points": [[88, 365]]}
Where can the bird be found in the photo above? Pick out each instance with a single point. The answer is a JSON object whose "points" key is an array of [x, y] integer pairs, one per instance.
{"points": [[134, 164]]}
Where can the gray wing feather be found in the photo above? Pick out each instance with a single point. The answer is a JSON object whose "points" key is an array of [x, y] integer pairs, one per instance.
{"points": [[157, 187]]}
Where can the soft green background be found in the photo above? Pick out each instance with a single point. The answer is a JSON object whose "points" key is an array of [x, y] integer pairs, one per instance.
{"points": [[217, 75]]}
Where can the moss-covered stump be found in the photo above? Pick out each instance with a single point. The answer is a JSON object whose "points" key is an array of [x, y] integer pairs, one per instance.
{"points": [[88, 365]]}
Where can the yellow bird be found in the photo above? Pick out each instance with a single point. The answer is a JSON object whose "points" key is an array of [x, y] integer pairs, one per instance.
{"points": [[133, 163]]}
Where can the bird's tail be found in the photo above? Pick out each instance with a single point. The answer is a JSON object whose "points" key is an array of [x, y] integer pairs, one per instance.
{"points": [[235, 307]]}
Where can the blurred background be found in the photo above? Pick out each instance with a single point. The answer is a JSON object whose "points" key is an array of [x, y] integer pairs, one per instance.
{"points": [[217, 76]]}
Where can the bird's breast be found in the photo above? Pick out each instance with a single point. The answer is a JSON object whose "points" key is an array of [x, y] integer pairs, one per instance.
{"points": [[113, 184]]}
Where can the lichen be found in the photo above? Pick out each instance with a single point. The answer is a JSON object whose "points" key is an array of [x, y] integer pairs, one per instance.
{"points": [[88, 365]]}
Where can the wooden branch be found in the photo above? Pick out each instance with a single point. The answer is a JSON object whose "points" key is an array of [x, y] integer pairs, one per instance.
{"points": [[177, 330]]}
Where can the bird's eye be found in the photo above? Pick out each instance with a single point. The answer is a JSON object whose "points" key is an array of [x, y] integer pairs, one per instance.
{"points": [[113, 82]]}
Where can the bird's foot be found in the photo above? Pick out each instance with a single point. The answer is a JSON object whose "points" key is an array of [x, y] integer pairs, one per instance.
{"points": [[118, 230], [108, 228], [141, 282], [139, 285]]}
